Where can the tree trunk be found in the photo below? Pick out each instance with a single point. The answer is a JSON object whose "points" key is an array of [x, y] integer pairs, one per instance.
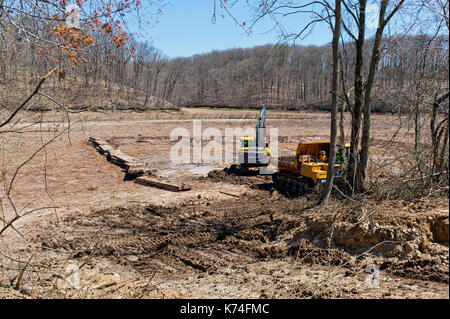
{"points": [[365, 138], [334, 104], [357, 107]]}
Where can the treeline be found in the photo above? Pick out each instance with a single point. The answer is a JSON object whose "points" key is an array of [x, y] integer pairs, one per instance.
{"points": [[294, 77], [281, 76]]}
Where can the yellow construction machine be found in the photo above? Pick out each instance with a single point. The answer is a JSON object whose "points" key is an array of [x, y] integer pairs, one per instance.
{"points": [[308, 169], [255, 152]]}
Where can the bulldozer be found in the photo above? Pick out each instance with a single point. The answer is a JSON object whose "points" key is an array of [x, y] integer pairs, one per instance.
{"points": [[308, 169]]}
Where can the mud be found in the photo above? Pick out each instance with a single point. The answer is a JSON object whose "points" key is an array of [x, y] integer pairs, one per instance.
{"points": [[236, 177], [208, 237], [196, 236], [424, 268]]}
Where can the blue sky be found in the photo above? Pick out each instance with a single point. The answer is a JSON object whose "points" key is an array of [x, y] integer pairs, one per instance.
{"points": [[185, 29]]}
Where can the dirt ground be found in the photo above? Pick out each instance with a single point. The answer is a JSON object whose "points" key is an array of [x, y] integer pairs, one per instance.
{"points": [[230, 236]]}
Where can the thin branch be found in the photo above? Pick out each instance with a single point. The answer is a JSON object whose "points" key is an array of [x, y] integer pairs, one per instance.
{"points": [[31, 157], [11, 116], [397, 7]]}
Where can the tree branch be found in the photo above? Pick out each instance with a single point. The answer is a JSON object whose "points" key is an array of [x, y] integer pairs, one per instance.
{"points": [[14, 113]]}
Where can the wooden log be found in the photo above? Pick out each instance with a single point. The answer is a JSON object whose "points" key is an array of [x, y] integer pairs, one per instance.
{"points": [[139, 168], [93, 140], [115, 153], [144, 180], [97, 141], [125, 158], [106, 148], [119, 163]]}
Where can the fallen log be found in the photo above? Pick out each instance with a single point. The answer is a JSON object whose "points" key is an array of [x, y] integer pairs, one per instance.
{"points": [[125, 158], [139, 168], [130, 164], [144, 180], [97, 141], [105, 148]]}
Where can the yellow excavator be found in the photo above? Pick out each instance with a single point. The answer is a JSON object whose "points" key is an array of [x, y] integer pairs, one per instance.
{"points": [[255, 152], [308, 169]]}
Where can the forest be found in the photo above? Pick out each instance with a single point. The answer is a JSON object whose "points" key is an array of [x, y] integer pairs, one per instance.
{"points": [[278, 76]]}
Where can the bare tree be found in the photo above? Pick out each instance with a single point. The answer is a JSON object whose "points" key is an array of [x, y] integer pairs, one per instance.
{"points": [[334, 102], [363, 87]]}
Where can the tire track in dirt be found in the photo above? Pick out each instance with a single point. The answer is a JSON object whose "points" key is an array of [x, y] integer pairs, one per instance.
{"points": [[190, 235], [205, 237]]}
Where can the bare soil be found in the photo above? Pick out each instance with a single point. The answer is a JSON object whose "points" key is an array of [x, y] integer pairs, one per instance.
{"points": [[231, 236]]}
